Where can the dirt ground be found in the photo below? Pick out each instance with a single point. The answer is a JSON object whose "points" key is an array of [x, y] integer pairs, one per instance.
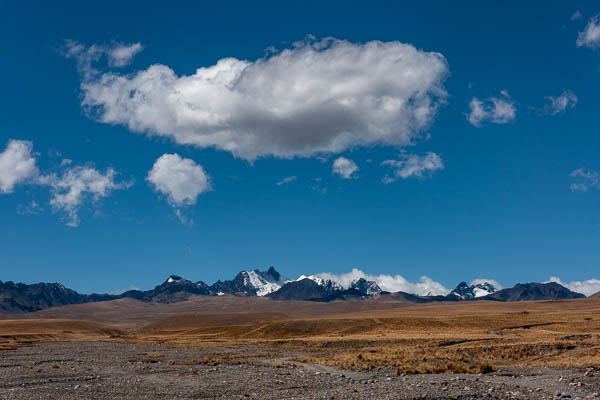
{"points": [[109, 370]]}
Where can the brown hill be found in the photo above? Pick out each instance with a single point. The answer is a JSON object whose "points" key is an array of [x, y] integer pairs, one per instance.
{"points": [[15, 333], [130, 313], [596, 295], [204, 320]]}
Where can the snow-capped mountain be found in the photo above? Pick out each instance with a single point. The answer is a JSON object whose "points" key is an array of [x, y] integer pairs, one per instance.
{"points": [[255, 282], [328, 284], [370, 288], [466, 292]]}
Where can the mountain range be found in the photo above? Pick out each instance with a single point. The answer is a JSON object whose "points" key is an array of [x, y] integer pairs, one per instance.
{"points": [[22, 298]]}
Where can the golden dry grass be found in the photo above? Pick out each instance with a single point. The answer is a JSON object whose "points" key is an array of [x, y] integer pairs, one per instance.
{"points": [[467, 337], [433, 338]]}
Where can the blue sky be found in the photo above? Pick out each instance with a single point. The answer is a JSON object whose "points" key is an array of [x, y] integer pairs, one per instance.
{"points": [[453, 142]]}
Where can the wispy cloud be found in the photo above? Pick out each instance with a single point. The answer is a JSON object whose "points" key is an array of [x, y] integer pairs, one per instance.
{"points": [[590, 37], [287, 179], [76, 185], [584, 179], [498, 110], [559, 104], [413, 165]]}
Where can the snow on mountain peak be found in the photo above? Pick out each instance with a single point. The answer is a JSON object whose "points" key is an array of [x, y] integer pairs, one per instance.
{"points": [[263, 282], [370, 288], [466, 292], [327, 283], [174, 278]]}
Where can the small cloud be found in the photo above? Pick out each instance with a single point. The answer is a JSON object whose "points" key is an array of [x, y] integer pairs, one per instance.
{"points": [[344, 167], [17, 164], [498, 110], [118, 55], [286, 180], [559, 104], [181, 180], [590, 37], [76, 185], [65, 162], [584, 179], [576, 15], [121, 55], [413, 165]]}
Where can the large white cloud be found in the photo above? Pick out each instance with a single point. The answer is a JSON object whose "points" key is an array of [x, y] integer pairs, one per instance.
{"points": [[590, 37], [499, 110], [17, 164], [77, 184], [180, 179], [318, 96], [587, 288], [396, 283], [413, 165], [344, 167]]}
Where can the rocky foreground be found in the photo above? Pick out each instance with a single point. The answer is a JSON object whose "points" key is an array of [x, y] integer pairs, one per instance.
{"points": [[104, 370]]}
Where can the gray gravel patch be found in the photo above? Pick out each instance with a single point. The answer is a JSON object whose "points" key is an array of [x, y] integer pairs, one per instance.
{"points": [[125, 371]]}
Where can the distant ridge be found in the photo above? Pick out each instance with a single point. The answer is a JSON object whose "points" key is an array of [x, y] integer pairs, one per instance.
{"points": [[596, 295], [534, 291], [22, 298]]}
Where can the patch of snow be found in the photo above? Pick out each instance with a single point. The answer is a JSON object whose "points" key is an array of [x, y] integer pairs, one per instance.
{"points": [[262, 285], [322, 282]]}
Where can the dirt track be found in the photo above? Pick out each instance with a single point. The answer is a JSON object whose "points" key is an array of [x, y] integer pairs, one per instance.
{"points": [[97, 370]]}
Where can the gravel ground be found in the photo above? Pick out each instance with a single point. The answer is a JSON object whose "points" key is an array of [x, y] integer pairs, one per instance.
{"points": [[126, 371]]}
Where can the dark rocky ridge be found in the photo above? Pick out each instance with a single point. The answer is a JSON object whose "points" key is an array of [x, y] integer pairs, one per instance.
{"points": [[22, 298]]}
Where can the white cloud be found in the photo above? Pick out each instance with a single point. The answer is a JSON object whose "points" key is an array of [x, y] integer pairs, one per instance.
{"points": [[78, 184], [413, 165], [587, 288], [121, 55], [492, 282], [286, 180], [180, 179], [117, 54], [590, 37], [344, 167], [315, 97], [17, 164], [584, 179], [576, 15], [567, 99], [397, 283], [499, 110]]}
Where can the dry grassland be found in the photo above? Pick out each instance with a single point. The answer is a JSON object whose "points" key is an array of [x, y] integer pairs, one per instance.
{"points": [[433, 338]]}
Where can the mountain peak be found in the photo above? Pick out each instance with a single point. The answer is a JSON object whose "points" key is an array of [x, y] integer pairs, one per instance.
{"points": [[465, 292], [174, 278], [369, 288]]}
